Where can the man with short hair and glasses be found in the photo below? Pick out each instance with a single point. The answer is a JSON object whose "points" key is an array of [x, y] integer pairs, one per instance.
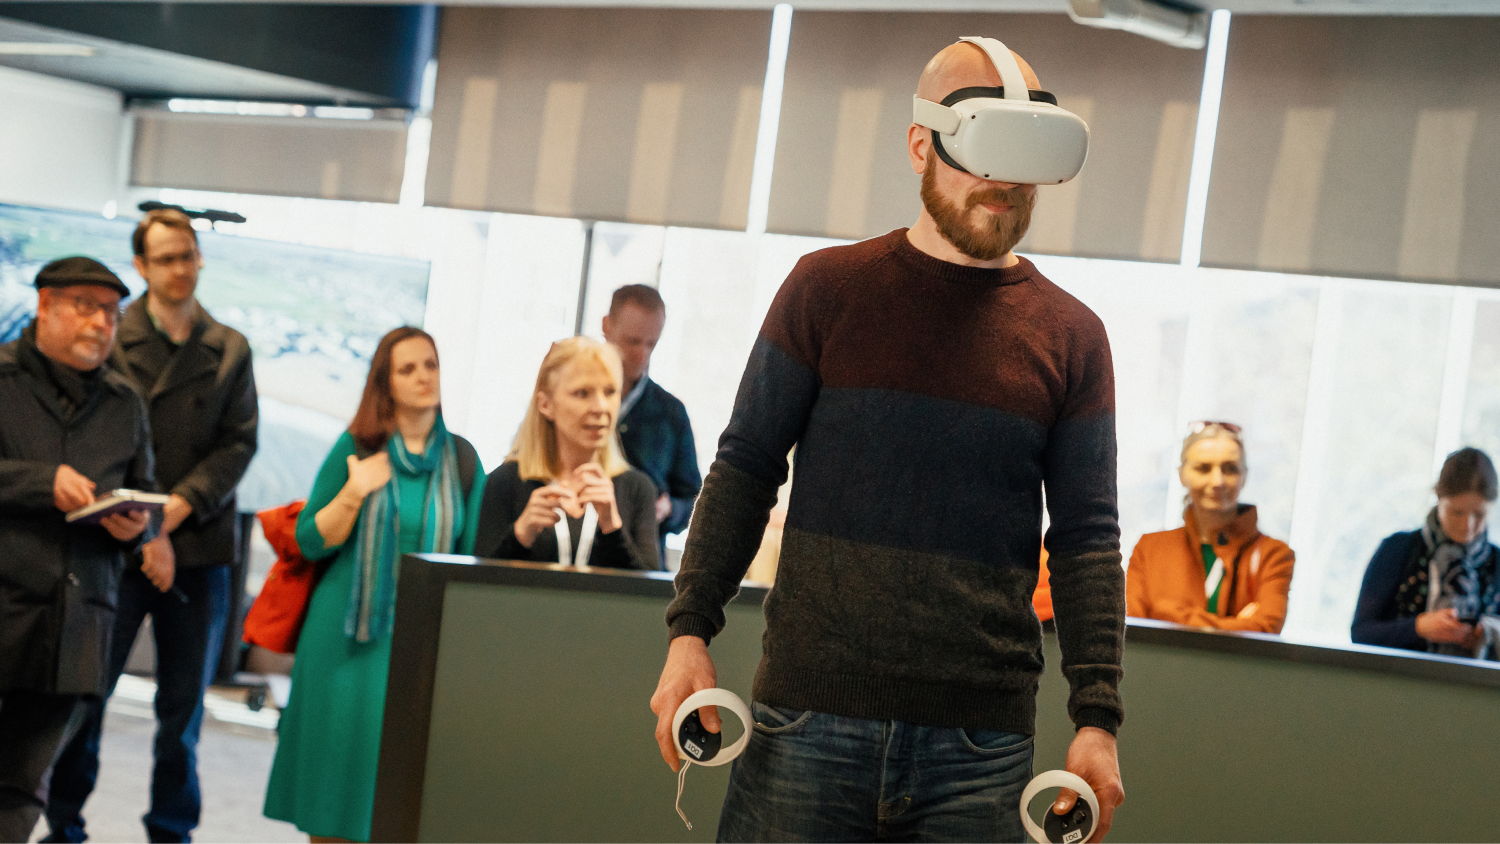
{"points": [[71, 430], [196, 377]]}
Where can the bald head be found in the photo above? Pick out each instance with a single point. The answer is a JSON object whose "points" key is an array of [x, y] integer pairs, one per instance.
{"points": [[964, 65]]}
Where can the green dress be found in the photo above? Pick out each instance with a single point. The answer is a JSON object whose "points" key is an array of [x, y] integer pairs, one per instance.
{"points": [[323, 779]]}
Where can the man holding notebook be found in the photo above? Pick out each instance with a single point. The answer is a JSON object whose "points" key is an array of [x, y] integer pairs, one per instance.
{"points": [[71, 429], [195, 375]]}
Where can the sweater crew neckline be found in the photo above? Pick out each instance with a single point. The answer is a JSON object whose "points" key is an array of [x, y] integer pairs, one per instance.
{"points": [[931, 267]]}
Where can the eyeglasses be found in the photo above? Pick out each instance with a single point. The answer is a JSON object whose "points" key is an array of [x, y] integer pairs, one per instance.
{"points": [[86, 308], [1201, 425], [188, 257]]}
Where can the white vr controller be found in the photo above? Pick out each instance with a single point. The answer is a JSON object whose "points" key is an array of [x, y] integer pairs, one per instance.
{"points": [[1074, 827], [698, 745], [1007, 134]]}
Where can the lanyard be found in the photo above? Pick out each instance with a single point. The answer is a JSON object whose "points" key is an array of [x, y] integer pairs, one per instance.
{"points": [[585, 537], [1215, 575]]}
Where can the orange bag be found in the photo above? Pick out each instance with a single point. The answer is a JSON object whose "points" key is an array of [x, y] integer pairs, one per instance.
{"points": [[275, 619]]}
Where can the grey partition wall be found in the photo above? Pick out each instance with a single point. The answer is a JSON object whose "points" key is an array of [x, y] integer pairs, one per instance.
{"points": [[1359, 146], [517, 711], [841, 162]]}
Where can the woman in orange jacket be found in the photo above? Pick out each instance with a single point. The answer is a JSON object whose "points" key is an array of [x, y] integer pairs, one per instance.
{"points": [[1217, 570]]}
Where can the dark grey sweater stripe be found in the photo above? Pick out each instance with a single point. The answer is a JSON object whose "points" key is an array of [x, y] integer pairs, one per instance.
{"points": [[930, 404]]}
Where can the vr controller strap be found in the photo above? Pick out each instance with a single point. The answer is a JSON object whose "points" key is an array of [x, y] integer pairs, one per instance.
{"points": [[681, 779], [1010, 71]]}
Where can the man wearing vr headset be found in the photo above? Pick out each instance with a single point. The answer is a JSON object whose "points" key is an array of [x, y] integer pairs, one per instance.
{"points": [[933, 382]]}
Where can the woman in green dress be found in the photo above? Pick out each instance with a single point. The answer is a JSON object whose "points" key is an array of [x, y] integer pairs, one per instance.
{"points": [[396, 482]]}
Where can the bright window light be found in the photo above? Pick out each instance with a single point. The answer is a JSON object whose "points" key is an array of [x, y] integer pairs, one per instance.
{"points": [[770, 119], [256, 109], [1203, 139]]}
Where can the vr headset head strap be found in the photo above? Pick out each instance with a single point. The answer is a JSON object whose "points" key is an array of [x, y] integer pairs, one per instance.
{"points": [[1010, 70]]}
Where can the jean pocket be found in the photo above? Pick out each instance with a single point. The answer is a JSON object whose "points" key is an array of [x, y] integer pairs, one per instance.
{"points": [[776, 720], [994, 743]]}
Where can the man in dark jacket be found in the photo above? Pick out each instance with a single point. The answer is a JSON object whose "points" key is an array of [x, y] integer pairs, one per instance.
{"points": [[195, 376], [654, 426], [69, 427]]}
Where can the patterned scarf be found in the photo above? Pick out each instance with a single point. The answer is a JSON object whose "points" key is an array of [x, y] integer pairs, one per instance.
{"points": [[1463, 577], [372, 597]]}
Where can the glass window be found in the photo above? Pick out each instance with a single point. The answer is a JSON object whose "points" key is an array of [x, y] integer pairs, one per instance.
{"points": [[1481, 421], [622, 253], [1370, 443]]}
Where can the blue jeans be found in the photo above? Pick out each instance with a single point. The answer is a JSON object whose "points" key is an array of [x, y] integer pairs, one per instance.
{"points": [[811, 776], [188, 625]]}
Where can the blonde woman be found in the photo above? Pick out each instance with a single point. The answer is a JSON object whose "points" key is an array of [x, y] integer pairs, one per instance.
{"points": [[1217, 570], [565, 493]]}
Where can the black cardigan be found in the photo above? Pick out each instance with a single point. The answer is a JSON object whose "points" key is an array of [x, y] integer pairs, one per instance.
{"points": [[1376, 621], [633, 546]]}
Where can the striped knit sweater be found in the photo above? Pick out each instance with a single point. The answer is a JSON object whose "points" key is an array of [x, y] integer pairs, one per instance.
{"points": [[930, 403]]}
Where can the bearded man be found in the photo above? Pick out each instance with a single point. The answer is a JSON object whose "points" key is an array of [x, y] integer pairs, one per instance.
{"points": [[933, 382]]}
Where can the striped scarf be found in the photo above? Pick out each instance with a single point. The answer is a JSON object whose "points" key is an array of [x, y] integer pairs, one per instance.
{"points": [[372, 596], [1460, 576]]}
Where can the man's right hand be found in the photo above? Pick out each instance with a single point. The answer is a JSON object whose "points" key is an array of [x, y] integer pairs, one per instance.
{"points": [[71, 490], [159, 562], [689, 669]]}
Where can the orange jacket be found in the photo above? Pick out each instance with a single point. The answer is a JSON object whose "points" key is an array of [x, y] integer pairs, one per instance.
{"points": [[1165, 578], [1041, 599]]}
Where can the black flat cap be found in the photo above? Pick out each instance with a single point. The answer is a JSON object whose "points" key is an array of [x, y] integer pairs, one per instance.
{"points": [[66, 272]]}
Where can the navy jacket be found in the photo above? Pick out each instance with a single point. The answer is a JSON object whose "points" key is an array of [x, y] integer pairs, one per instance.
{"points": [[658, 440]]}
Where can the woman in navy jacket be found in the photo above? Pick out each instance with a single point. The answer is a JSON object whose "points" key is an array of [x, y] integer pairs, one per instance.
{"points": [[1437, 589]]}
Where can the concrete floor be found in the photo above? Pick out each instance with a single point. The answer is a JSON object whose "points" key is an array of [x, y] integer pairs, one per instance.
{"points": [[234, 762]]}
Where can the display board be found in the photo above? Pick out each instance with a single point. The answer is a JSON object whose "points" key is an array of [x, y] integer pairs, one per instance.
{"points": [[313, 317]]}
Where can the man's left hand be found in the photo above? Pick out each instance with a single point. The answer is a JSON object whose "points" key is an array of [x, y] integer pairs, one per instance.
{"points": [[663, 507], [126, 526], [1093, 756], [159, 562], [176, 510]]}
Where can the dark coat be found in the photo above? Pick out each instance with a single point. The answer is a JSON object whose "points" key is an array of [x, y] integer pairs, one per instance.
{"points": [[59, 582], [203, 421]]}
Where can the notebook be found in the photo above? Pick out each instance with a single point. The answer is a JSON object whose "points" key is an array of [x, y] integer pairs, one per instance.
{"points": [[119, 501]]}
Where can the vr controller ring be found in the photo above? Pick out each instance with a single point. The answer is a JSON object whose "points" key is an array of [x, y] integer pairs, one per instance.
{"points": [[699, 746], [1073, 828]]}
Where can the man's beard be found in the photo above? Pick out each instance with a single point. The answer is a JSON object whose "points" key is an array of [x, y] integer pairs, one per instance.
{"points": [[982, 242]]}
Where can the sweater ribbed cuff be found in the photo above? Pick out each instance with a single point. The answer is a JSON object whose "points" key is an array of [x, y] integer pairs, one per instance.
{"points": [[692, 624], [1097, 716]]}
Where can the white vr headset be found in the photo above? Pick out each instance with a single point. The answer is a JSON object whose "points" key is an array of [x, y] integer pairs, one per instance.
{"points": [[1007, 134]]}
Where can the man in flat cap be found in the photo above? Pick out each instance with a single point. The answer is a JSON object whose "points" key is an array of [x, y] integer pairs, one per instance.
{"points": [[70, 429], [195, 375]]}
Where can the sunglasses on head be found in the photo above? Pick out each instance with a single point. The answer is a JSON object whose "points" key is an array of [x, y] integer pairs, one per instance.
{"points": [[1201, 425]]}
